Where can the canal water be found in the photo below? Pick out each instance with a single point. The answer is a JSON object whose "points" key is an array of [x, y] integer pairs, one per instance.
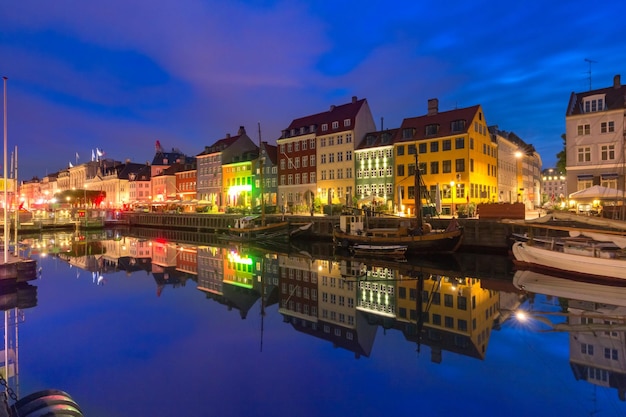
{"points": [[136, 326]]}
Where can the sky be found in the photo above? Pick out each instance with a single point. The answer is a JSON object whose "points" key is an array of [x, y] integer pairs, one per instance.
{"points": [[120, 75]]}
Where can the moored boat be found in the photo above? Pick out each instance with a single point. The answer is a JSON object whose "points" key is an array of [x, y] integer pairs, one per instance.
{"points": [[253, 228], [573, 256]]}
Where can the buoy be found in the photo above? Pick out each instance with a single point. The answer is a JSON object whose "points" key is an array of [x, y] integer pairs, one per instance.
{"points": [[46, 403]]}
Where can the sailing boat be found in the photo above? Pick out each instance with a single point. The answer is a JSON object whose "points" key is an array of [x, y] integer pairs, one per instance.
{"points": [[418, 236], [255, 228]]}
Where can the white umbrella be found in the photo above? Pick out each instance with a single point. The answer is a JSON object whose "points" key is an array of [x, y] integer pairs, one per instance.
{"points": [[437, 199], [597, 192]]}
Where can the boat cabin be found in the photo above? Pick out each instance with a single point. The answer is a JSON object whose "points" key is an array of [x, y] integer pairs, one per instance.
{"points": [[246, 222], [352, 224]]}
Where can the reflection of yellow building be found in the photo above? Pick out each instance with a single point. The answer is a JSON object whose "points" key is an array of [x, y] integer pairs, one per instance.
{"points": [[456, 314], [239, 269]]}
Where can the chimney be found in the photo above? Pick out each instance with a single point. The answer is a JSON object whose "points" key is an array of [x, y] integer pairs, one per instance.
{"points": [[241, 131], [227, 135], [433, 106], [616, 81], [332, 107], [353, 99]]}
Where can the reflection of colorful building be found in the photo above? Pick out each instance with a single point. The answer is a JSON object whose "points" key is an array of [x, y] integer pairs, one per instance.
{"points": [[210, 269]]}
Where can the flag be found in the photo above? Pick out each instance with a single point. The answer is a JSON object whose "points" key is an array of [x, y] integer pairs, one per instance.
{"points": [[93, 156], [70, 165], [77, 156], [99, 152]]}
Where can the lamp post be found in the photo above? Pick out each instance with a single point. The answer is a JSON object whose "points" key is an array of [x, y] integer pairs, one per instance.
{"points": [[452, 190], [518, 158]]}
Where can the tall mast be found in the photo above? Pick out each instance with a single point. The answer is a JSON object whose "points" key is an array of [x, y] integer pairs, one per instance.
{"points": [[261, 178], [418, 194]]}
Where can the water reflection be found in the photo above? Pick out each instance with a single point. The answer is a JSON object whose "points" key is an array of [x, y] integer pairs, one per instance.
{"points": [[445, 307]]}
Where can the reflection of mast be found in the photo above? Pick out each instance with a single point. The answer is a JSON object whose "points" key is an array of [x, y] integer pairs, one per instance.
{"points": [[262, 299], [261, 179], [10, 359]]}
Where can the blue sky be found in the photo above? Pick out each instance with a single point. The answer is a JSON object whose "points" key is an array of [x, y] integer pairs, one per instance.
{"points": [[119, 75]]}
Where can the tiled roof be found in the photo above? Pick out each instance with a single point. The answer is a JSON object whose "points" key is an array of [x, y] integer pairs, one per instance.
{"points": [[375, 139], [614, 98], [442, 119], [338, 114]]}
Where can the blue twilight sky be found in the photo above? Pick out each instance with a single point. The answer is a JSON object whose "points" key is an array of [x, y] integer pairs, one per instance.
{"points": [[119, 75]]}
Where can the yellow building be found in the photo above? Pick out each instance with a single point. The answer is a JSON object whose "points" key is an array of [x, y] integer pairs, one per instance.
{"points": [[238, 183], [455, 155]]}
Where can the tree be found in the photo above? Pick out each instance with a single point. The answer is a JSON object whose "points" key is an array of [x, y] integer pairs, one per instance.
{"points": [[561, 157]]}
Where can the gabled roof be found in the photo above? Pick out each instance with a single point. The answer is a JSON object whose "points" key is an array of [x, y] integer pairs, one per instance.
{"points": [[442, 119], [614, 98], [376, 139], [271, 151], [313, 123], [123, 170], [169, 158], [223, 143]]}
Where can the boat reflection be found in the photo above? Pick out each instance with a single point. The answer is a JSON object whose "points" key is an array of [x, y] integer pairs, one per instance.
{"points": [[594, 315]]}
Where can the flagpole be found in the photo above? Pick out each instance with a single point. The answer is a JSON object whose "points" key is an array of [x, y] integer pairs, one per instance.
{"points": [[6, 217]]}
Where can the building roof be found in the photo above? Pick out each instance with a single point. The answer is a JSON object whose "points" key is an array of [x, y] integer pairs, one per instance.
{"points": [[272, 152], [376, 139], [614, 98], [313, 123], [442, 119], [223, 143]]}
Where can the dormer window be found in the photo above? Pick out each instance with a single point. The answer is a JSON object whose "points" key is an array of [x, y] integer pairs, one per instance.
{"points": [[457, 126], [293, 132], [346, 123], [335, 125], [324, 127], [431, 130], [593, 103]]}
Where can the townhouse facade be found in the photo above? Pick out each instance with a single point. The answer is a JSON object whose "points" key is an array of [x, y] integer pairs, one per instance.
{"points": [[595, 133], [315, 155], [210, 187], [454, 153], [375, 169]]}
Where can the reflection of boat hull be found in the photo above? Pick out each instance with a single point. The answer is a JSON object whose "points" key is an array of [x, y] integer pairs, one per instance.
{"points": [[388, 251], [435, 242], [596, 292], [273, 231], [535, 256]]}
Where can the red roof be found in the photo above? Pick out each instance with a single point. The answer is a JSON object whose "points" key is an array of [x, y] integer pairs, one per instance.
{"points": [[335, 114], [442, 119]]}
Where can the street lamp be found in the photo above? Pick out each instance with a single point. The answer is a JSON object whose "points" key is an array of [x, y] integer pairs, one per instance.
{"points": [[452, 190], [518, 158]]}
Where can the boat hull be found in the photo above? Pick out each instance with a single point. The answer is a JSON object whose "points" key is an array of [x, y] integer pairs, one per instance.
{"points": [[545, 259], [435, 242], [274, 231]]}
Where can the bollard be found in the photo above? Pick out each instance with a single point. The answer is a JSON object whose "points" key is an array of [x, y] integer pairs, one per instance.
{"points": [[46, 403]]}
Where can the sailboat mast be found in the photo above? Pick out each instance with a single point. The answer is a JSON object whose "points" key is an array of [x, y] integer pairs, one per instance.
{"points": [[418, 193], [261, 180]]}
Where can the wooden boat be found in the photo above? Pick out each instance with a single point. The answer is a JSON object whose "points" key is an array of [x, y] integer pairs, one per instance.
{"points": [[253, 228], [389, 251], [573, 256], [417, 235]]}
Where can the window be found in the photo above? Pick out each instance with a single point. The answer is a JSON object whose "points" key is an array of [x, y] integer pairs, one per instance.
{"points": [[584, 154], [411, 149], [400, 170], [449, 322], [400, 150], [607, 152], [437, 319], [304, 143], [584, 129], [312, 158], [447, 300], [459, 143], [431, 130], [446, 166], [323, 142], [411, 170], [457, 125], [348, 155], [422, 148], [407, 133], [462, 325], [446, 145], [324, 127], [434, 167], [335, 125], [346, 123], [461, 302], [312, 143], [460, 165], [434, 146], [607, 127]]}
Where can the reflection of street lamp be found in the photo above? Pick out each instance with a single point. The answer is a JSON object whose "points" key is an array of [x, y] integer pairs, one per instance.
{"points": [[602, 322], [452, 190]]}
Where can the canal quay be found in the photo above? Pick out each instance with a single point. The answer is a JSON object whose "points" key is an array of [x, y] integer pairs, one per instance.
{"points": [[479, 234]]}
